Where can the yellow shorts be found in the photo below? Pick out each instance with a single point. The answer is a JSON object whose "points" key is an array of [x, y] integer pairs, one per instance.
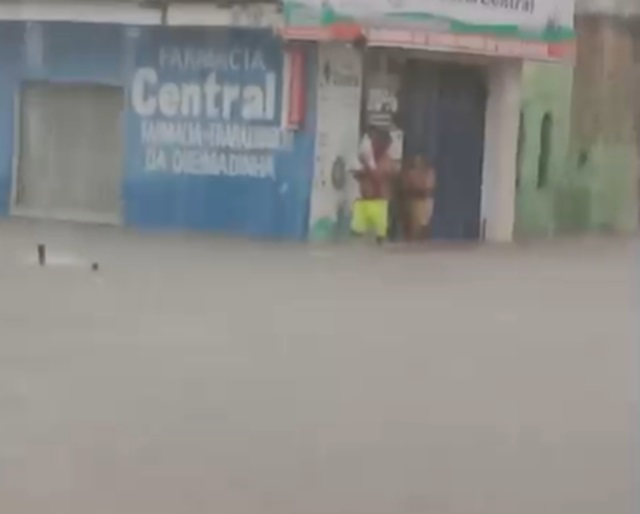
{"points": [[370, 216]]}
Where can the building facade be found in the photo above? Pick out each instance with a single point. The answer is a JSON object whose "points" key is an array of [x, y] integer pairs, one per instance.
{"points": [[579, 169], [244, 120], [451, 77], [121, 117]]}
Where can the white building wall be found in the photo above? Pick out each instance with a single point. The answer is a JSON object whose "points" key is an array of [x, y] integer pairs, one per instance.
{"points": [[339, 90], [612, 7], [87, 12], [258, 15], [500, 149]]}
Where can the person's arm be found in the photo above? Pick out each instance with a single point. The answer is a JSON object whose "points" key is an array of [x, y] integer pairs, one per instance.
{"points": [[406, 179], [417, 182], [385, 168], [365, 153], [359, 173], [361, 160], [395, 168]]}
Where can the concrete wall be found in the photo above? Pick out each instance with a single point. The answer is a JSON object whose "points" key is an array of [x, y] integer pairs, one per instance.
{"points": [[604, 100], [546, 90], [607, 7], [339, 94], [156, 194], [500, 147], [593, 158]]}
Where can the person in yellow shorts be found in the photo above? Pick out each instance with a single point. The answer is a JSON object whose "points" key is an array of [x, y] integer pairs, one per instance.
{"points": [[370, 216], [371, 211]]}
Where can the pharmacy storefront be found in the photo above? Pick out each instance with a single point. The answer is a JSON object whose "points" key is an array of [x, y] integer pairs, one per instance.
{"points": [[159, 127], [447, 75]]}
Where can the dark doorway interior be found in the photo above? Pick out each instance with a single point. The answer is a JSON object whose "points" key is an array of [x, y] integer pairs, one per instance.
{"points": [[443, 109]]}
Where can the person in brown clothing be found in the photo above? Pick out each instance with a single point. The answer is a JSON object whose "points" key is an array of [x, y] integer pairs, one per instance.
{"points": [[418, 189]]}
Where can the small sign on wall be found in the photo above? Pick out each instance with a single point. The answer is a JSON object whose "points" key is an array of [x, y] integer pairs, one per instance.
{"points": [[382, 100]]}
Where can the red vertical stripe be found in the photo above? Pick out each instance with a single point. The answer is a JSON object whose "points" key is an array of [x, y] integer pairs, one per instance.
{"points": [[296, 88]]}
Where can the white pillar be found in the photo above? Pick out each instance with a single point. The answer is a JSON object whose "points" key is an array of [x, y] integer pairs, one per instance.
{"points": [[500, 151]]}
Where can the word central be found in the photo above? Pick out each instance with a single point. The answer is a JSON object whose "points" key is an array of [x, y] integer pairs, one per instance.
{"points": [[213, 99]]}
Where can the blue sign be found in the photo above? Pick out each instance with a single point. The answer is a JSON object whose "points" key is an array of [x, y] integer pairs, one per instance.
{"points": [[211, 109], [205, 133]]}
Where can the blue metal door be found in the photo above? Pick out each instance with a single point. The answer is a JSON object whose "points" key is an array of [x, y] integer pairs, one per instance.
{"points": [[418, 108], [459, 112], [444, 119]]}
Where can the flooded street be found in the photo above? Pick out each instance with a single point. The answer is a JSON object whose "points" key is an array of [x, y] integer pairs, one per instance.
{"points": [[193, 374]]}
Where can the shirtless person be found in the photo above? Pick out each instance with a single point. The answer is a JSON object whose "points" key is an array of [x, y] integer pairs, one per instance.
{"points": [[371, 210], [418, 185]]}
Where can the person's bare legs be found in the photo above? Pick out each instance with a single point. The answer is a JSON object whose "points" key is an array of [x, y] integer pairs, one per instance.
{"points": [[415, 233], [416, 220]]}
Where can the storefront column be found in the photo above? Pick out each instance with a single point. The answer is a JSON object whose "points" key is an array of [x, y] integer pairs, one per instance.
{"points": [[501, 142], [334, 189]]}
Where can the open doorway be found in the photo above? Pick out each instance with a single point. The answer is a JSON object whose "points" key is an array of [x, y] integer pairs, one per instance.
{"points": [[441, 116], [443, 111]]}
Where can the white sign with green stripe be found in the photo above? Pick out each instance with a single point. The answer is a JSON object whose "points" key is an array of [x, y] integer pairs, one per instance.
{"points": [[549, 21]]}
